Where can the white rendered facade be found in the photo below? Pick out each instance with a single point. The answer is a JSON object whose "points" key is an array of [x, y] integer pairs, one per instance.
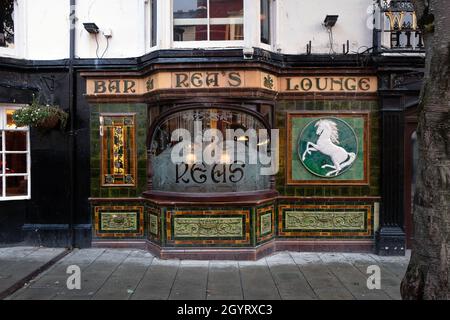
{"points": [[42, 28]]}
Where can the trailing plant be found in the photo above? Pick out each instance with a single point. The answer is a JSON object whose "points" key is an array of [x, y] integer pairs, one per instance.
{"points": [[40, 116]]}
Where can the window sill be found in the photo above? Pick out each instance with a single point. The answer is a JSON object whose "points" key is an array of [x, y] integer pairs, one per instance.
{"points": [[207, 44], [8, 53], [15, 198]]}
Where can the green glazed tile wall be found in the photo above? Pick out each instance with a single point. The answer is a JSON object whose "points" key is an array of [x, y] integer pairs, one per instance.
{"points": [[373, 189], [141, 134]]}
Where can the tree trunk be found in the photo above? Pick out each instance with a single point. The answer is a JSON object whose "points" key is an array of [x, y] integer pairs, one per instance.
{"points": [[427, 276]]}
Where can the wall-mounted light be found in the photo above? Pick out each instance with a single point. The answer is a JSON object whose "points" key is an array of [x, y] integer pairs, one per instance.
{"points": [[248, 53], [91, 27], [330, 21]]}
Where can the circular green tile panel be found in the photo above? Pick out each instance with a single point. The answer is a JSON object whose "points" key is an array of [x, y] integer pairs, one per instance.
{"points": [[327, 147]]}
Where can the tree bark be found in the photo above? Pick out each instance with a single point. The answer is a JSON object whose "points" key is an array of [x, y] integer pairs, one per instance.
{"points": [[427, 276]]}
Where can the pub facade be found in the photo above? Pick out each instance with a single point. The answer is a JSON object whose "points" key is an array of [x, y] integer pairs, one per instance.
{"points": [[223, 136]]}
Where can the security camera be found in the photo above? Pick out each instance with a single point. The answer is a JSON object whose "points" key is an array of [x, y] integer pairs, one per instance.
{"points": [[248, 53]]}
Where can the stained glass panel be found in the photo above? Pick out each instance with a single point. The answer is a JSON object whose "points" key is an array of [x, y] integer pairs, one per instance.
{"points": [[118, 149]]}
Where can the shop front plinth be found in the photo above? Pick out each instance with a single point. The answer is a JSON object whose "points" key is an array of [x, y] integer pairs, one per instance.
{"points": [[220, 226], [242, 226], [214, 226]]}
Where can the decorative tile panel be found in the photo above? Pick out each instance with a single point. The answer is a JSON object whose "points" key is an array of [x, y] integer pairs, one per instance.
{"points": [[153, 224], [322, 220], [316, 220], [118, 149], [265, 223], [208, 227], [119, 221]]}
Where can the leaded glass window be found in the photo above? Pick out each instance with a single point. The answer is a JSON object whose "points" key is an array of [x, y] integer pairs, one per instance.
{"points": [[233, 171], [118, 149]]}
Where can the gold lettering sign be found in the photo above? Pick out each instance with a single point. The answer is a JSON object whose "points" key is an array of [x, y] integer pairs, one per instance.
{"points": [[209, 79], [329, 84], [230, 79]]}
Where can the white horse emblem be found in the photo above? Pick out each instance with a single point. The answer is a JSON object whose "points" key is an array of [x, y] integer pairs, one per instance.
{"points": [[327, 144]]}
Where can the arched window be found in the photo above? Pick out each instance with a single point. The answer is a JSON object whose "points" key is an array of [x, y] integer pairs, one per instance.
{"points": [[209, 150]]}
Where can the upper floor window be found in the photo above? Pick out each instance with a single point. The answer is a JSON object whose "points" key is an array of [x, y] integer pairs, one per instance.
{"points": [[14, 157], [203, 20], [265, 21], [7, 23], [154, 28]]}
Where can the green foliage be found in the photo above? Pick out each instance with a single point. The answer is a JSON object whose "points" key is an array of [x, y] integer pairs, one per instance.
{"points": [[36, 115], [426, 21]]}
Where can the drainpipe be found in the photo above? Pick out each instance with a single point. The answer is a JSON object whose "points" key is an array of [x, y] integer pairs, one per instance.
{"points": [[72, 117]]}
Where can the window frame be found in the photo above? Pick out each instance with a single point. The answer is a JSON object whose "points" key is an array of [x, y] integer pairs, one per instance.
{"points": [[3, 153], [272, 26], [207, 22], [12, 52], [153, 23]]}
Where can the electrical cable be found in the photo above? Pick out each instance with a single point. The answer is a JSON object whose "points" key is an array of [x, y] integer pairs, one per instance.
{"points": [[106, 49], [96, 50], [331, 39], [98, 47]]}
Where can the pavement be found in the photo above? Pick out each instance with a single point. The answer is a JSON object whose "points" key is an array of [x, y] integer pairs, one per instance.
{"points": [[120, 274], [21, 264]]}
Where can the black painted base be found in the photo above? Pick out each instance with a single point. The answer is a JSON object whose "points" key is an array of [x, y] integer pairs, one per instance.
{"points": [[56, 235], [390, 241]]}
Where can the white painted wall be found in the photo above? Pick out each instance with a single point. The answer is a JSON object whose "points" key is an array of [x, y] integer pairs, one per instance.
{"points": [[125, 18], [46, 29], [44, 26], [300, 21]]}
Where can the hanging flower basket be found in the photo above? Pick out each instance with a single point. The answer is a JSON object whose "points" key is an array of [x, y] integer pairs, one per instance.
{"points": [[44, 117], [49, 123]]}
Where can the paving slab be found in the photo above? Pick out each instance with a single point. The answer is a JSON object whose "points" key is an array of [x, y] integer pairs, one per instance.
{"points": [[57, 278], [333, 294], [96, 274], [224, 282], [35, 294], [157, 281], [355, 282], [290, 281], [124, 280], [257, 281], [114, 274], [392, 291], [191, 281], [19, 263]]}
